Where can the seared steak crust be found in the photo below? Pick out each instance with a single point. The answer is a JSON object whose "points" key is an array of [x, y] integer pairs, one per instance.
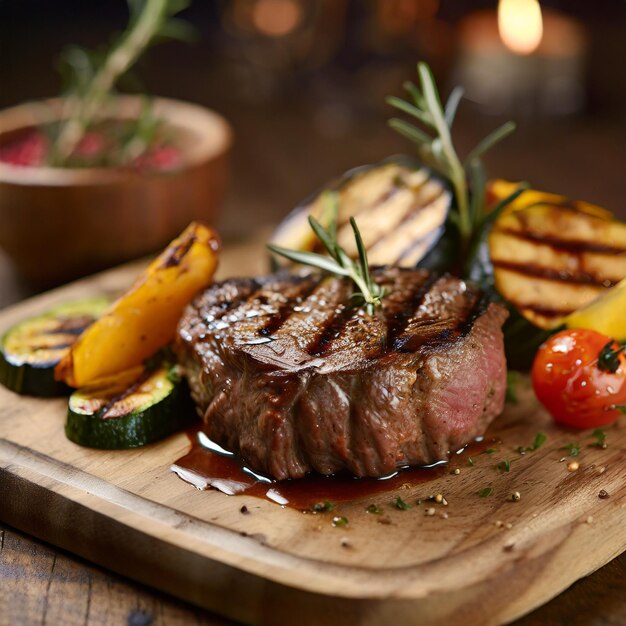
{"points": [[287, 372]]}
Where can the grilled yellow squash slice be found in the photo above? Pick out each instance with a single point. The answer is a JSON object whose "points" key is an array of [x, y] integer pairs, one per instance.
{"points": [[552, 256], [144, 319]]}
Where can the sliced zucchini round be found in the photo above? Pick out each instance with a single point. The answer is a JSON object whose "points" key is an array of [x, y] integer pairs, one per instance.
{"points": [[118, 416], [30, 350], [400, 207]]}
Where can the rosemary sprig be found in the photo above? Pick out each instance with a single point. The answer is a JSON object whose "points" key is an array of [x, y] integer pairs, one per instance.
{"points": [[150, 19], [338, 262], [436, 147]]}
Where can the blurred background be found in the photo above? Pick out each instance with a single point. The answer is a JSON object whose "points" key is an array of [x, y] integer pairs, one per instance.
{"points": [[303, 84]]}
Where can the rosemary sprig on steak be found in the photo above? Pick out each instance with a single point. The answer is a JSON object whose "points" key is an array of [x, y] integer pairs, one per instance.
{"points": [[338, 262], [436, 147]]}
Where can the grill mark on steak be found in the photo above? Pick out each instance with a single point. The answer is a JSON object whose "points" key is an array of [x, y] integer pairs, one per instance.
{"points": [[323, 342], [433, 330], [397, 323], [286, 309], [463, 324], [480, 306]]}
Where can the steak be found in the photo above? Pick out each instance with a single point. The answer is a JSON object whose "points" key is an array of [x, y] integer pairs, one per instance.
{"points": [[288, 372]]}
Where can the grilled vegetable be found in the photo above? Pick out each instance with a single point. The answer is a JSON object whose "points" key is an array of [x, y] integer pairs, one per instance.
{"points": [[144, 319], [606, 314], [552, 256], [30, 350], [400, 208], [118, 416]]}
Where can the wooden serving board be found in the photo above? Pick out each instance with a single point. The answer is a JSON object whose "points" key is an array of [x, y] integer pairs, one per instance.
{"points": [[478, 560]]}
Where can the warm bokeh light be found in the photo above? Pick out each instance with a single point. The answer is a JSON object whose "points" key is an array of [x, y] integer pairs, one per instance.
{"points": [[276, 18], [520, 25]]}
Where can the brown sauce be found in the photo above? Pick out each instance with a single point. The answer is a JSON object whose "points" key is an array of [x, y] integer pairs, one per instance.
{"points": [[207, 465]]}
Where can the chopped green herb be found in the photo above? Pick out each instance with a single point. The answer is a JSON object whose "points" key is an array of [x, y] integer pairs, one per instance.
{"points": [[374, 509], [401, 504], [600, 438], [572, 448], [486, 492], [470, 460], [512, 380], [321, 507], [621, 408], [540, 439], [489, 451], [504, 466], [340, 520]]}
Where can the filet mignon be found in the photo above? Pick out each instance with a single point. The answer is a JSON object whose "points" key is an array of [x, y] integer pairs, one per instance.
{"points": [[290, 374]]}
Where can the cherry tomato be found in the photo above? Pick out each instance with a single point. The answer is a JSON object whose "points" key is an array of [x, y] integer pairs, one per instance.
{"points": [[569, 383]]}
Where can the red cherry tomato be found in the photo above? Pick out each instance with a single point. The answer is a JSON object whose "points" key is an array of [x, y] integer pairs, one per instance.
{"points": [[569, 383]]}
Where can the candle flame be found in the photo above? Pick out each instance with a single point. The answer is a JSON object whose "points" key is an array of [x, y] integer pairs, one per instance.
{"points": [[520, 25]]}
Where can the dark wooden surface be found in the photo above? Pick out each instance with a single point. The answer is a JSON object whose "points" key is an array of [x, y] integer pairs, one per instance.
{"points": [[40, 584]]}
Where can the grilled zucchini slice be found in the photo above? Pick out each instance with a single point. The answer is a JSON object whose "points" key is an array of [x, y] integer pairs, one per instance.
{"points": [[552, 256], [119, 416], [30, 350], [400, 207]]}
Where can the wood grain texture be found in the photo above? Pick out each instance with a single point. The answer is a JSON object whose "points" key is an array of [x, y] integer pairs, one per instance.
{"points": [[81, 594], [489, 562], [48, 587]]}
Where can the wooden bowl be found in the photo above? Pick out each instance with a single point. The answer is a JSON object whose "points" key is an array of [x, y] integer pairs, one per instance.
{"points": [[60, 223]]}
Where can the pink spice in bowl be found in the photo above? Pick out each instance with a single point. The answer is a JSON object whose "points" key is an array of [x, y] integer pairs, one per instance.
{"points": [[58, 223]]}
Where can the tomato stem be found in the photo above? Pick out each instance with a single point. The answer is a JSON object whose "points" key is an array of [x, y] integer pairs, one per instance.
{"points": [[608, 359]]}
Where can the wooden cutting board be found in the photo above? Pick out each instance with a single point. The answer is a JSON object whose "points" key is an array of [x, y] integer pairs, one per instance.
{"points": [[478, 560]]}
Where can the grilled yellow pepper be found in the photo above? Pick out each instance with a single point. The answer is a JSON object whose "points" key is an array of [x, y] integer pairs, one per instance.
{"points": [[144, 319]]}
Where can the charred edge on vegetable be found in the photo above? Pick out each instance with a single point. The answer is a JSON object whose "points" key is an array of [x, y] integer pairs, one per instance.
{"points": [[352, 177], [129, 391], [407, 217], [427, 241], [547, 273], [177, 254], [173, 412], [71, 325], [545, 311], [567, 245]]}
